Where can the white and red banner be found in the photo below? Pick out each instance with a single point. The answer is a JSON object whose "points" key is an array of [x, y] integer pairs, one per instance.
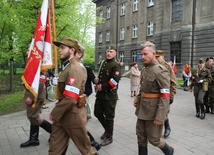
{"points": [[39, 53], [174, 66]]}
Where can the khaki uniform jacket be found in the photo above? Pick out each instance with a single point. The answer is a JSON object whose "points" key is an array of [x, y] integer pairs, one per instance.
{"points": [[41, 94], [173, 80], [204, 74], [109, 69], [66, 113], [154, 77]]}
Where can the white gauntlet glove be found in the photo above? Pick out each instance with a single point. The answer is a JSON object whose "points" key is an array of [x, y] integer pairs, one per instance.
{"points": [[55, 80], [200, 81]]}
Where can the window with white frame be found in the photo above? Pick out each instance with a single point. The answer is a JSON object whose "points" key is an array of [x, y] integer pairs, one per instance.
{"points": [[101, 13], [135, 5], [150, 26], [150, 3], [121, 55], [134, 31], [122, 9], [134, 56], [100, 37], [108, 35], [122, 33], [108, 13]]}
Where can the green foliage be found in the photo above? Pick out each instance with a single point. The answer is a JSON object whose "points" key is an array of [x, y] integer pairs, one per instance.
{"points": [[74, 18], [11, 103]]}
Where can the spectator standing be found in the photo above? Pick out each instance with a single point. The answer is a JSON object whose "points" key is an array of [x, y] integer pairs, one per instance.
{"points": [[186, 73], [134, 78]]}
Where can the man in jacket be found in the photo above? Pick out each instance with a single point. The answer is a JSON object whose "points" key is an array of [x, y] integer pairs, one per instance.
{"points": [[106, 96], [173, 86], [69, 114], [152, 103]]}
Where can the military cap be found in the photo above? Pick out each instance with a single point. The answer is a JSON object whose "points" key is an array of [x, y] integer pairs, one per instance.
{"points": [[201, 61], [111, 48], [82, 48], [68, 42], [207, 59], [159, 53]]}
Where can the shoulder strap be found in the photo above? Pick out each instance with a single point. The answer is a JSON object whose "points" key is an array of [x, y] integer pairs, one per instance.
{"points": [[100, 67]]}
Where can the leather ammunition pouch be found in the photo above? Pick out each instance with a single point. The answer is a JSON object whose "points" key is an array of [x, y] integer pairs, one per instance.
{"points": [[81, 101]]}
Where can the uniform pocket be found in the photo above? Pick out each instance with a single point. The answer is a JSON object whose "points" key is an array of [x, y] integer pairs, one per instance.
{"points": [[150, 82]]}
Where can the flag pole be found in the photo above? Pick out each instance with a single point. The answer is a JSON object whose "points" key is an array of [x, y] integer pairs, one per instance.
{"points": [[54, 36], [53, 23]]}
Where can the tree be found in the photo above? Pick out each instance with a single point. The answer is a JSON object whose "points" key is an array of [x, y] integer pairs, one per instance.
{"points": [[74, 18]]}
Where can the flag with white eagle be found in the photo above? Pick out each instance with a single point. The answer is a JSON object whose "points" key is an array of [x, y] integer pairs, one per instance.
{"points": [[39, 53]]}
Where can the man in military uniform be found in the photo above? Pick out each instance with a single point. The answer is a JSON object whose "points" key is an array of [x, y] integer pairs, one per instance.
{"points": [[152, 102], [207, 103], [33, 113], [69, 115], [106, 96], [173, 86], [79, 55]]}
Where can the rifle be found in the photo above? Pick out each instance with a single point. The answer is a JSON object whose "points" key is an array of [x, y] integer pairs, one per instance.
{"points": [[202, 77]]}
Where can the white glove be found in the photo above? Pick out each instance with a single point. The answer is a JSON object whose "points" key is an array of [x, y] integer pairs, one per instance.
{"points": [[201, 81], [55, 80]]}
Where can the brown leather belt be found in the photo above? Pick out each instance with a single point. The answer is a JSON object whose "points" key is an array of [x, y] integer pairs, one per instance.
{"points": [[145, 95]]}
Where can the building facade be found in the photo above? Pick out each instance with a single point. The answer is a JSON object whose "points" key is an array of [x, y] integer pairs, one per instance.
{"points": [[184, 29]]}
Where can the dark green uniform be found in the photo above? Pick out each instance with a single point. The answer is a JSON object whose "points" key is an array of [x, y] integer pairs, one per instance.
{"points": [[199, 93], [106, 99], [211, 93], [206, 96]]}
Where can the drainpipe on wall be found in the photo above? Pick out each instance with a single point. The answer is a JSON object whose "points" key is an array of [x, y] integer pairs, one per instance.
{"points": [[117, 9], [193, 31]]}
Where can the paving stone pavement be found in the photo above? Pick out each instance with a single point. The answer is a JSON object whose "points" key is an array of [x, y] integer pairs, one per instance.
{"points": [[189, 136]]}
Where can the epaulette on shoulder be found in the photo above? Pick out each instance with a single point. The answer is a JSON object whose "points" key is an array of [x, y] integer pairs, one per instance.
{"points": [[161, 66], [116, 61]]}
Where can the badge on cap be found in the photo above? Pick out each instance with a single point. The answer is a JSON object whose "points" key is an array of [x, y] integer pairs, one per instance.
{"points": [[72, 81]]}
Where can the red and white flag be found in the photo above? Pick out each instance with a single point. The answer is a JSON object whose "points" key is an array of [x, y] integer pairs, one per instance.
{"points": [[174, 65], [39, 52]]}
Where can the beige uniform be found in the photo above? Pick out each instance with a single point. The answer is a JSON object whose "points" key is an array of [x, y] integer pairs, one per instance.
{"points": [[152, 104], [173, 80], [69, 120], [33, 114]]}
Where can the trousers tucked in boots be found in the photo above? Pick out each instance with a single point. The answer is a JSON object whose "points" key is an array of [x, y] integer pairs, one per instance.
{"points": [[142, 150], [33, 139], [167, 150], [109, 137], [46, 126], [93, 142], [167, 128]]}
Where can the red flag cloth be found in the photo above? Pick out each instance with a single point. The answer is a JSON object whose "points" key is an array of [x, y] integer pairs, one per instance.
{"points": [[174, 65], [32, 72]]}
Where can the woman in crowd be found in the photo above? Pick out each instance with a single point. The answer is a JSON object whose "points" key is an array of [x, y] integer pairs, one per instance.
{"points": [[202, 78], [135, 78], [186, 76]]}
